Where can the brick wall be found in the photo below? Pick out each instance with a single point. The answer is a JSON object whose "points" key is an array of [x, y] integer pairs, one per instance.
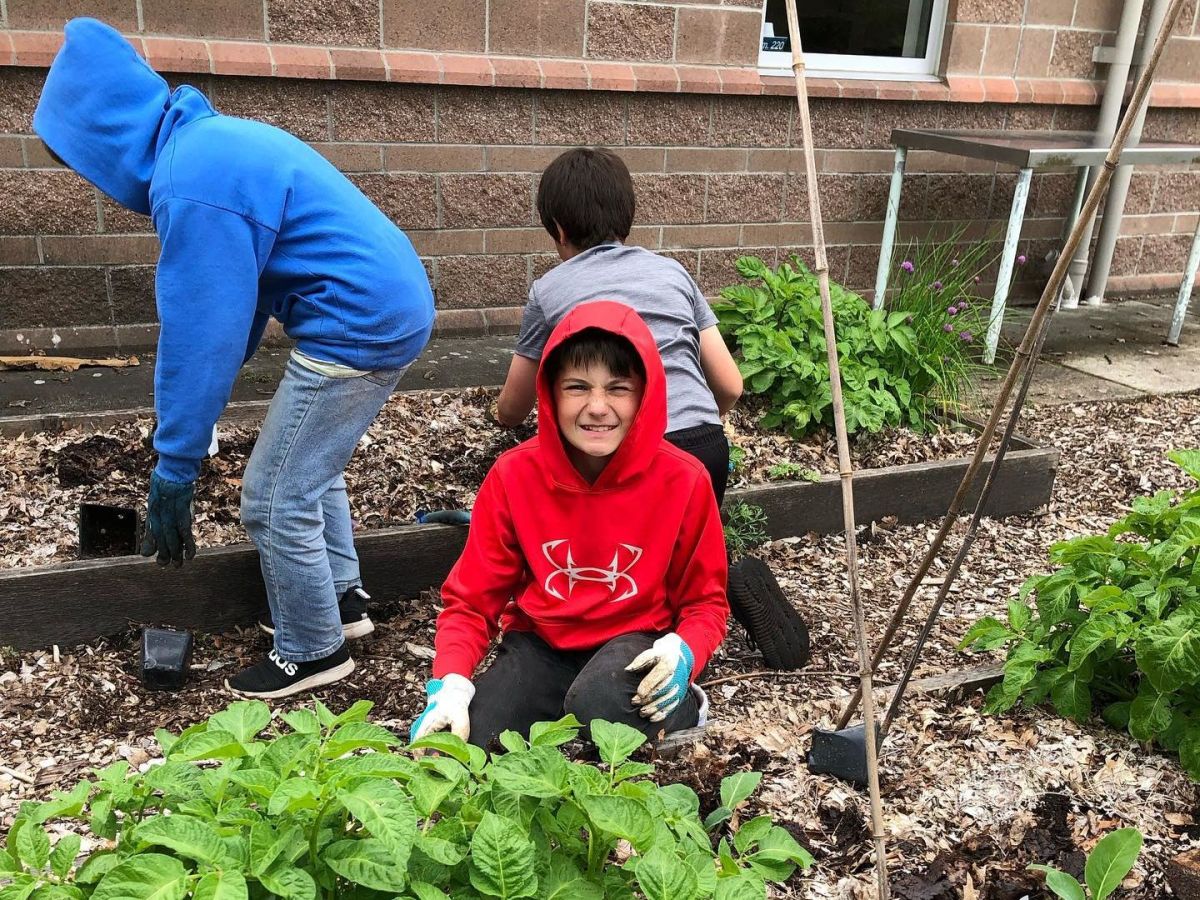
{"points": [[715, 156]]}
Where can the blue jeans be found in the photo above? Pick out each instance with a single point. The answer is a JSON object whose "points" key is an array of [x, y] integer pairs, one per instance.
{"points": [[294, 502]]}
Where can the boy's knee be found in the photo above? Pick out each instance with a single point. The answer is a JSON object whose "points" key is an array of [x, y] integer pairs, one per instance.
{"points": [[255, 506], [599, 696]]}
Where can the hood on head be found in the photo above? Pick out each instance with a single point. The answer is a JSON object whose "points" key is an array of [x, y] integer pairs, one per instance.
{"points": [[107, 114], [645, 433]]}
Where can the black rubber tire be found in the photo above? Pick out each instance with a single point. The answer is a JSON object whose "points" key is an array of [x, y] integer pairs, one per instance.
{"points": [[758, 603]]}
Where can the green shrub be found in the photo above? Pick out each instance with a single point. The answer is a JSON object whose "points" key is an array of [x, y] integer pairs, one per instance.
{"points": [[328, 808], [1116, 625], [1106, 867], [745, 528], [898, 367]]}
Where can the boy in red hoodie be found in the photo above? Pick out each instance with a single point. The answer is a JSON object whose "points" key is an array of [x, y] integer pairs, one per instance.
{"points": [[596, 547]]}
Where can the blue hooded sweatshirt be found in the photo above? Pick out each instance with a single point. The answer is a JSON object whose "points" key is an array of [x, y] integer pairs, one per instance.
{"points": [[253, 224]]}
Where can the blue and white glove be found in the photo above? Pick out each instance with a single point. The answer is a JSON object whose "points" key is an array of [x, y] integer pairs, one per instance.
{"points": [[670, 662], [449, 700]]}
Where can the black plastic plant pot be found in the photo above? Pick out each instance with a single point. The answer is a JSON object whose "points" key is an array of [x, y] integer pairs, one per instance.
{"points": [[842, 754], [166, 658], [107, 530]]}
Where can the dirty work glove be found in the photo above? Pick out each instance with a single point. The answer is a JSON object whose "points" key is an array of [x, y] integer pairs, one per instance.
{"points": [[446, 710], [169, 521], [670, 662]]}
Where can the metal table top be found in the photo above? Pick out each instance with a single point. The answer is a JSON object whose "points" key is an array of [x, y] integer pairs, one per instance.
{"points": [[1039, 149]]}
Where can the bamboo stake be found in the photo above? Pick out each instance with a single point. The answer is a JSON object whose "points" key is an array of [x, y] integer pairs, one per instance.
{"points": [[1024, 354], [845, 469]]}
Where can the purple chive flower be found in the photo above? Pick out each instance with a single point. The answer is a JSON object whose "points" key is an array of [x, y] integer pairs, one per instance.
{"points": [[907, 266], [1021, 260], [954, 262], [952, 311], [967, 337], [937, 286], [962, 304], [947, 328]]}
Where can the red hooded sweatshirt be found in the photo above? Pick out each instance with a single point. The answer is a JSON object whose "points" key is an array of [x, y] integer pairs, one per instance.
{"points": [[578, 564]]}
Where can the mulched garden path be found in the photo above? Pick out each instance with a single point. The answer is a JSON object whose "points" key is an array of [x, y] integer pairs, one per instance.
{"points": [[969, 799]]}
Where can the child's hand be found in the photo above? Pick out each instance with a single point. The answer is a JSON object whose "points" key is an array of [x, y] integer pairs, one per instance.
{"points": [[447, 709], [670, 662]]}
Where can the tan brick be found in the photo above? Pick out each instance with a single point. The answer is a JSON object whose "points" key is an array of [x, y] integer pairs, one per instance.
{"points": [[744, 198], [300, 107], [695, 236], [44, 202], [689, 259], [452, 25], [1050, 12], [642, 159], [751, 121], [991, 12], [1029, 118], [445, 242], [537, 27], [1163, 223], [516, 240], [1033, 60], [408, 200], [384, 113], [486, 201], [133, 295], [727, 37], [503, 319], [1180, 61], [717, 269], [19, 93], [117, 219], [475, 282], [47, 296], [835, 123], [1104, 15], [854, 161], [854, 198], [1177, 192], [669, 119], [521, 159], [648, 236], [485, 116], [1164, 253], [99, 249], [628, 31], [669, 199], [19, 251], [777, 234], [580, 117], [53, 14], [1000, 58], [966, 48], [37, 154], [353, 157], [347, 23], [432, 158], [1072, 55], [204, 18], [460, 322], [697, 159], [778, 160], [11, 156]]}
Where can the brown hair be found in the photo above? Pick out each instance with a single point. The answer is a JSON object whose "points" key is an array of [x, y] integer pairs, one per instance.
{"points": [[589, 194]]}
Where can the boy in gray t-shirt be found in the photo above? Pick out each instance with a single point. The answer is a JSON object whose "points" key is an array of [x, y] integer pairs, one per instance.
{"points": [[586, 203]]}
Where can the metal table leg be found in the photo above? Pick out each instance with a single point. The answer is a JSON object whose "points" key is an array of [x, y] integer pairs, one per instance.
{"points": [[1007, 258], [1068, 298], [1185, 290], [889, 228]]}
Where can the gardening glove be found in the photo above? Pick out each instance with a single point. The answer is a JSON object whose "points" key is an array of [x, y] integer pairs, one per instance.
{"points": [[449, 700], [169, 521], [670, 662]]}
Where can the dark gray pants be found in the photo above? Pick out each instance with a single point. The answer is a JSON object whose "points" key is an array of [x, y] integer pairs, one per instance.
{"points": [[531, 682]]}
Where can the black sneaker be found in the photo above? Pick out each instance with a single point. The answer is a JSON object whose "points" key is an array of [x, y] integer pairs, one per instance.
{"points": [[274, 677], [353, 607], [757, 601]]}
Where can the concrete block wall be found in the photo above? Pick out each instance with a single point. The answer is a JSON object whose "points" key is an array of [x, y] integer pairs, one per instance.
{"points": [[447, 125]]}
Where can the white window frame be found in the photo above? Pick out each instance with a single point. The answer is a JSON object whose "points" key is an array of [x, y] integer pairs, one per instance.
{"points": [[879, 68]]}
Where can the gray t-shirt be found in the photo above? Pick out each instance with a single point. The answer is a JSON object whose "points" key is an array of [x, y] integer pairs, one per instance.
{"points": [[662, 293]]}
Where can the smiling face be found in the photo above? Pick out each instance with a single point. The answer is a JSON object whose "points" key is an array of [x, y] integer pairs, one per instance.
{"points": [[595, 408]]}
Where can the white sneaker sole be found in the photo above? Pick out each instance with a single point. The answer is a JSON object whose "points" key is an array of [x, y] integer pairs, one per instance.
{"points": [[316, 680], [350, 630]]}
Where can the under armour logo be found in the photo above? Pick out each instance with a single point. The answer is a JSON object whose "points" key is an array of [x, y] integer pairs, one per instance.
{"points": [[613, 576], [288, 667]]}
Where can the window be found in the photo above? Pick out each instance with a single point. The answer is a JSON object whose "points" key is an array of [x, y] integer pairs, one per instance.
{"points": [[895, 39]]}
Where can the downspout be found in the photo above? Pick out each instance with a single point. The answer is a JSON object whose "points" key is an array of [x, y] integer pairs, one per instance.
{"points": [[1106, 127], [1118, 191]]}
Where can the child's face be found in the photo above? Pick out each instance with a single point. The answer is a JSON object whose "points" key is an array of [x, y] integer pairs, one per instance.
{"points": [[596, 407]]}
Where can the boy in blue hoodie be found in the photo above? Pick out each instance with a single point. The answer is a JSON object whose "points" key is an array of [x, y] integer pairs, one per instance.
{"points": [[253, 224]]}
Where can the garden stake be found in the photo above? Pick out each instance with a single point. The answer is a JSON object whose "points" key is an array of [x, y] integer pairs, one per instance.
{"points": [[1025, 355], [845, 469]]}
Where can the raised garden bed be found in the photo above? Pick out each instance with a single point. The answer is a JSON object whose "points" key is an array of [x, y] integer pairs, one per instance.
{"points": [[426, 451]]}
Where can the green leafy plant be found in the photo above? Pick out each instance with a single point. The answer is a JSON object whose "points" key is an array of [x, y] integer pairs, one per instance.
{"points": [[1116, 625], [745, 528], [1106, 867], [737, 457], [329, 807], [898, 367], [790, 470]]}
